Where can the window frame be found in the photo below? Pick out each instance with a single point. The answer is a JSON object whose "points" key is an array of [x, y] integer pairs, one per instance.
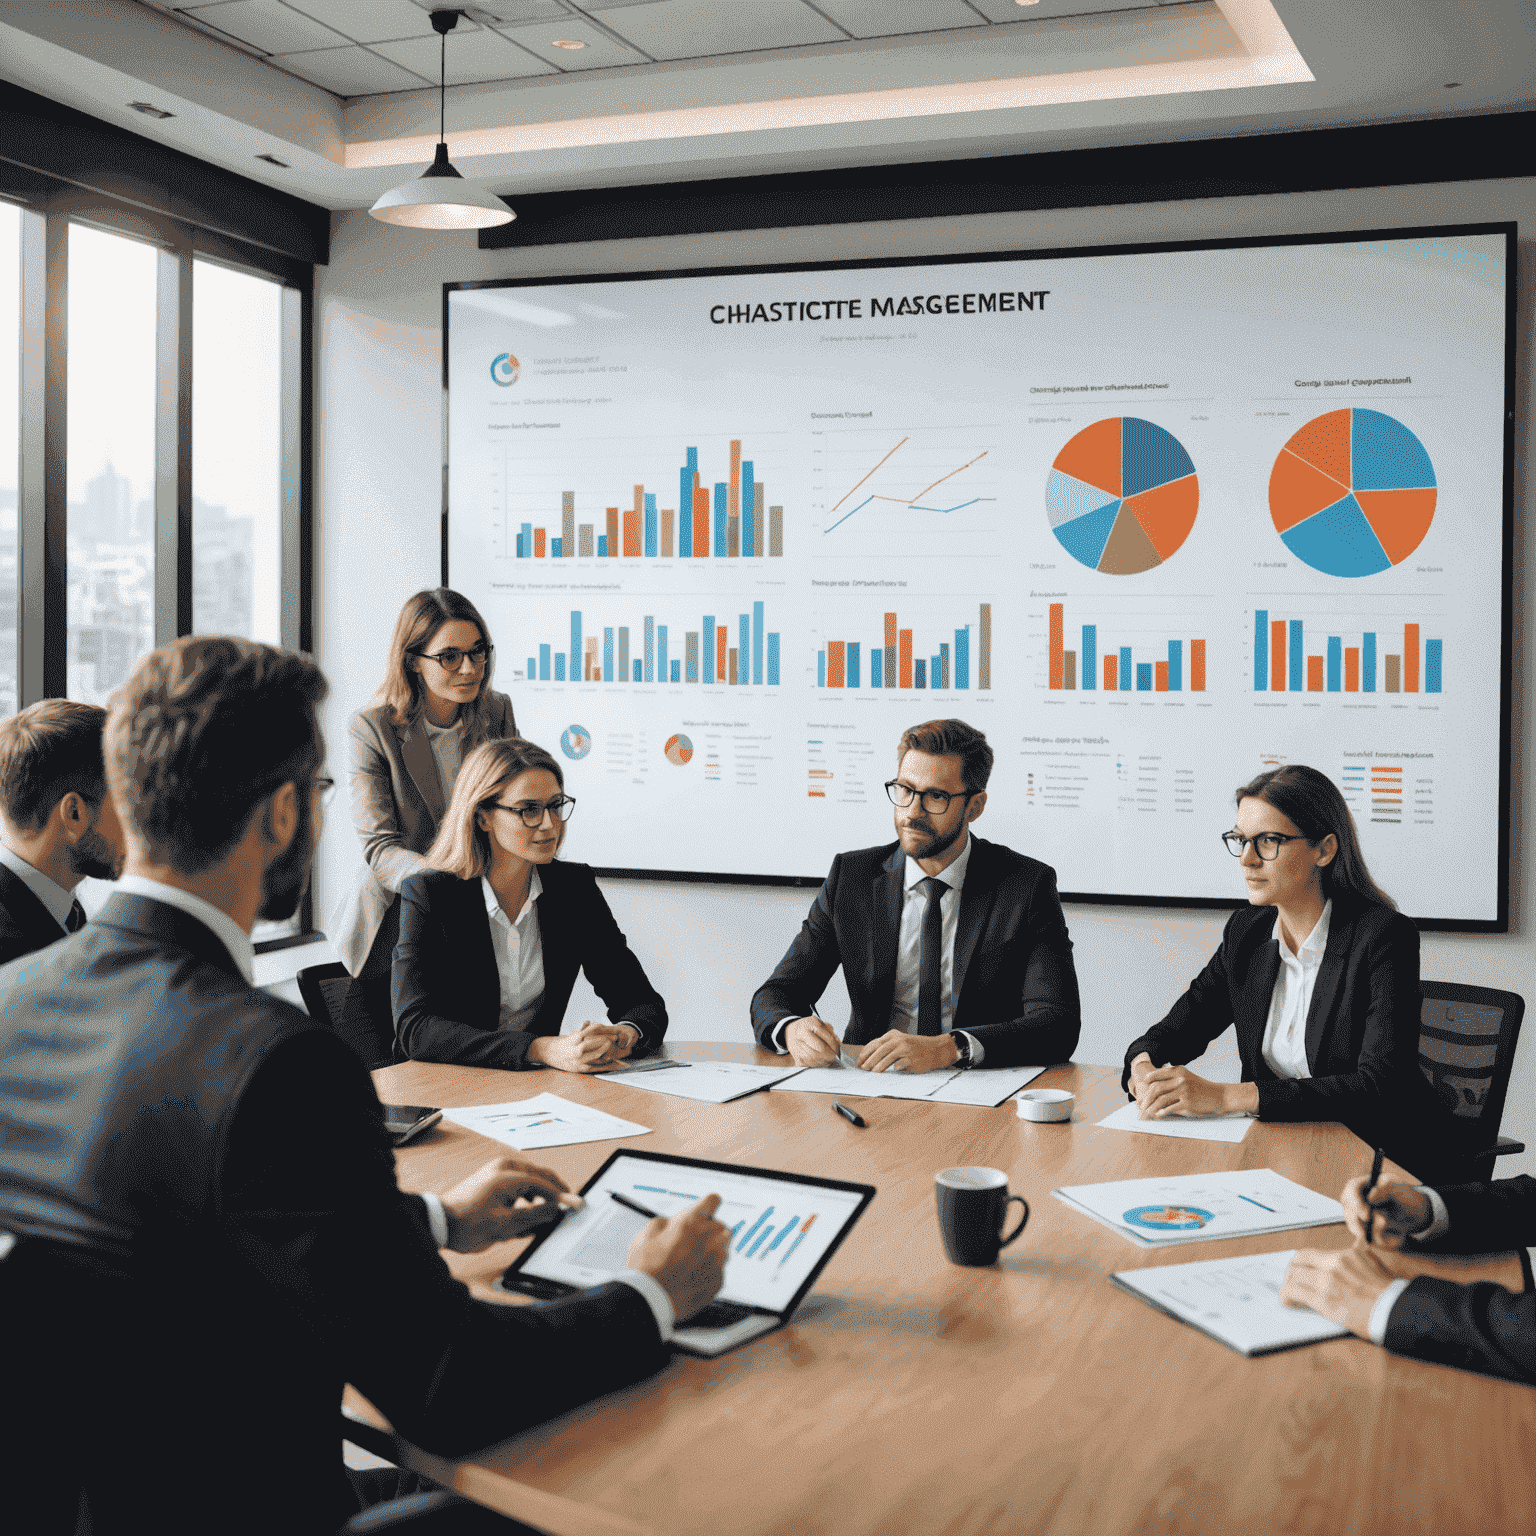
{"points": [[49, 208]]}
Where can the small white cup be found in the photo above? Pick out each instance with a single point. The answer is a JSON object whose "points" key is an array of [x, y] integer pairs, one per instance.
{"points": [[1046, 1104]]}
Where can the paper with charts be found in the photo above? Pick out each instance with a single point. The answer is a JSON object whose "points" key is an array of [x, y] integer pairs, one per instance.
{"points": [[705, 1082], [981, 1088], [1234, 1300], [545, 1120], [1200, 1128], [1200, 1207]]}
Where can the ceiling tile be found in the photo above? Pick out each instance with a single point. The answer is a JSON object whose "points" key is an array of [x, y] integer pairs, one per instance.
{"points": [[880, 18], [266, 24], [690, 29], [1006, 10], [374, 21], [512, 12], [351, 71], [477, 56], [600, 52]]}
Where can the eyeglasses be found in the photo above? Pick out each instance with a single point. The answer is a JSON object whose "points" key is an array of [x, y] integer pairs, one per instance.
{"points": [[452, 659], [1267, 844], [533, 813], [325, 788], [935, 801]]}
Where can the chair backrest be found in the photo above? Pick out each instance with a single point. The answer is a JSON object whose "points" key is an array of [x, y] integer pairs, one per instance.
{"points": [[1467, 1039], [351, 1009]]}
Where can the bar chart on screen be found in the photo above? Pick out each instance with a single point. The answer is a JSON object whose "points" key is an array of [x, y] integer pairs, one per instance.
{"points": [[1318, 654], [891, 652], [1139, 646], [636, 499]]}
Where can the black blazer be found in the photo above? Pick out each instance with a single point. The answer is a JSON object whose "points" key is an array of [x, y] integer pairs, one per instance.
{"points": [[1362, 1030], [26, 925], [1480, 1327], [447, 990], [235, 1321], [1015, 988]]}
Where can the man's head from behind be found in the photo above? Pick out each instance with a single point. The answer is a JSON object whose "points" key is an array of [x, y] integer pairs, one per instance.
{"points": [[200, 742], [53, 792]]}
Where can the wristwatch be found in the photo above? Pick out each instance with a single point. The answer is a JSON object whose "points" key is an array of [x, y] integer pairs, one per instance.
{"points": [[963, 1045]]}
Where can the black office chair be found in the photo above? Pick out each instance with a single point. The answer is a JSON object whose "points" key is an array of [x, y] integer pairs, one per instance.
{"points": [[333, 997], [1467, 1039]]}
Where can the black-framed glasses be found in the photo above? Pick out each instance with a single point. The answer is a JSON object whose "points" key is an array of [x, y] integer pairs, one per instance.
{"points": [[325, 787], [451, 659], [533, 812], [935, 801], [1267, 844]]}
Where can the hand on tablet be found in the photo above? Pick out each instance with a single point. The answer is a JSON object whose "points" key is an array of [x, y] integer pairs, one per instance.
{"points": [[685, 1254], [509, 1197]]}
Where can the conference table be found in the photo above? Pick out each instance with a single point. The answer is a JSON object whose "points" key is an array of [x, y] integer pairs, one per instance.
{"points": [[909, 1395]]}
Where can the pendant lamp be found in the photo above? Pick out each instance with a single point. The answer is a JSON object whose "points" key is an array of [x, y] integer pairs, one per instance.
{"points": [[440, 198]]}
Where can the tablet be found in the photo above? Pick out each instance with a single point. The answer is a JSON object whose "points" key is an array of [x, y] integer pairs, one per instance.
{"points": [[784, 1229]]}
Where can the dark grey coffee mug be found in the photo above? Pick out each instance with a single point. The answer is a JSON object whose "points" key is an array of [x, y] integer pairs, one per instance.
{"points": [[973, 1203]]}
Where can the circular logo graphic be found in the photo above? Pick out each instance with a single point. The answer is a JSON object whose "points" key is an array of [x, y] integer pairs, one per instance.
{"points": [[1168, 1218], [575, 742], [1352, 493], [1122, 496], [504, 370], [679, 750]]}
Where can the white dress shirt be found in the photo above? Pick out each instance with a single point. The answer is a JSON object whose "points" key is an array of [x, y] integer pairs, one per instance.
{"points": [[1285, 1035], [519, 955], [52, 895], [447, 743], [909, 951]]}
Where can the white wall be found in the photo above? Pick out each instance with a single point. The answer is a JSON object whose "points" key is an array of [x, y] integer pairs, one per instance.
{"points": [[378, 371]]}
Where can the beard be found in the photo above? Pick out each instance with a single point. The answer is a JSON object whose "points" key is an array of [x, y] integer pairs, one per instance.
{"points": [[94, 856], [934, 843], [287, 876]]}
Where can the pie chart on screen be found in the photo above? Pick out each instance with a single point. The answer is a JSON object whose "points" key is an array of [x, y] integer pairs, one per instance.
{"points": [[678, 750], [1122, 495], [1352, 493]]}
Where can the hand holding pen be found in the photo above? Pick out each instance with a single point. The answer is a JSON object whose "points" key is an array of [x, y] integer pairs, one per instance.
{"points": [[1384, 1215]]}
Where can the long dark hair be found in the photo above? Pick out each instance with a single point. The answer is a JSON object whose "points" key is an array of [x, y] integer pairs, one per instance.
{"points": [[402, 688], [1311, 800]]}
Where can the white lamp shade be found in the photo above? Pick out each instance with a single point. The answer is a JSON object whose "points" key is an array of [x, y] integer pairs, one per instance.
{"points": [[441, 199]]}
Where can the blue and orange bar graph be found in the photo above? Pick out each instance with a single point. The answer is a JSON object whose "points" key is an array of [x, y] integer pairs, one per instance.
{"points": [[1122, 672], [707, 654], [761, 1238], [730, 519], [1281, 663], [840, 664]]}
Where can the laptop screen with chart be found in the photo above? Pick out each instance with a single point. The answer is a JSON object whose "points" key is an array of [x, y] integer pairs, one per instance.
{"points": [[784, 1227]]}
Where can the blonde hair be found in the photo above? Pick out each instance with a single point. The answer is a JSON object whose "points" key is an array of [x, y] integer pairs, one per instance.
{"points": [[461, 846], [403, 690]]}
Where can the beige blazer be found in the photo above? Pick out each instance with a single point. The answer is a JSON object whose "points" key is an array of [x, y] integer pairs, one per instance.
{"points": [[397, 806]]}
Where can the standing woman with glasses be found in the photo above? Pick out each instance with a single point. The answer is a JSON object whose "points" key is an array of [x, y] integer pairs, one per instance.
{"points": [[435, 705], [1320, 976], [493, 932]]}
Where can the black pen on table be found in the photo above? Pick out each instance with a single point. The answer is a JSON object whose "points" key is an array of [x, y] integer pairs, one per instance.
{"points": [[849, 1115], [1370, 1213]]}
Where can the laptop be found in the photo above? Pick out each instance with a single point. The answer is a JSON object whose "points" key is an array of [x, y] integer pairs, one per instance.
{"points": [[784, 1229]]}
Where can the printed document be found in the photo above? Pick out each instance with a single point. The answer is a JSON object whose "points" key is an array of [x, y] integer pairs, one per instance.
{"points": [[1202, 1128], [545, 1120]]}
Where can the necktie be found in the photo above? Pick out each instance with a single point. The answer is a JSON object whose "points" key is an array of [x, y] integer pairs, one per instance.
{"points": [[930, 1004], [76, 919]]}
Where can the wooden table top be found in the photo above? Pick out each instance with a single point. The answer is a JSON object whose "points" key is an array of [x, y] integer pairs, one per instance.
{"points": [[912, 1396]]}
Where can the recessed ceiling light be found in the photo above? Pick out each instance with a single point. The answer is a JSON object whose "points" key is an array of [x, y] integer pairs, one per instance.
{"points": [[282, 165], [1453, 85], [148, 110], [568, 42], [1026, 2]]}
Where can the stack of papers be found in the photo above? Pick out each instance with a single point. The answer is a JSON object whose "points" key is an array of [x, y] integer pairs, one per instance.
{"points": [[545, 1120], [705, 1082], [981, 1088], [1234, 1300], [1201, 1207]]}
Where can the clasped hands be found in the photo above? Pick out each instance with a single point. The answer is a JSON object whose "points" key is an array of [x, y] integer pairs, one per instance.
{"points": [[510, 1197], [1163, 1091], [592, 1048], [812, 1042]]}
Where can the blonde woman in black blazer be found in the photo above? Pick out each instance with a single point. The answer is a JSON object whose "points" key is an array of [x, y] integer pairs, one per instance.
{"points": [[1347, 1052], [407, 745], [493, 933]]}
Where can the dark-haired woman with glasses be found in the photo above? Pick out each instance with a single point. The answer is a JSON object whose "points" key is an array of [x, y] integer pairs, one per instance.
{"points": [[1320, 976], [493, 932], [435, 705]]}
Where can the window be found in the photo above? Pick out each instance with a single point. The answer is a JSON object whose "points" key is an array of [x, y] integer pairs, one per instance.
{"points": [[111, 385], [10, 452], [236, 454]]}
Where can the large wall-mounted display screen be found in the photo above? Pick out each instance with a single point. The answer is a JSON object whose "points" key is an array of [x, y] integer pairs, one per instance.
{"points": [[1153, 519]]}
